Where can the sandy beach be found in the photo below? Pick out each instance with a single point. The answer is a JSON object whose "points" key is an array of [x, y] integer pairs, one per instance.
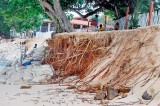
{"points": [[13, 76], [44, 95], [40, 92]]}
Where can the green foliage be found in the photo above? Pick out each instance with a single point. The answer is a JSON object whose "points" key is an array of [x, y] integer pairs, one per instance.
{"points": [[22, 14], [4, 29], [133, 23], [69, 16], [109, 13], [156, 5], [89, 10], [143, 6], [67, 3], [28, 14]]}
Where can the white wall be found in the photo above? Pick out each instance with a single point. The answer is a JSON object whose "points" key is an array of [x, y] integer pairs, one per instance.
{"points": [[43, 35], [143, 20]]}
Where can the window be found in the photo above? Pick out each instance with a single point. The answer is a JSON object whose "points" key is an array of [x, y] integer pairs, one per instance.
{"points": [[52, 27], [44, 27]]}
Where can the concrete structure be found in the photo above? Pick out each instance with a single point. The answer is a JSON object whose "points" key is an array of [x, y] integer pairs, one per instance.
{"points": [[80, 24], [83, 25], [45, 30], [142, 20]]}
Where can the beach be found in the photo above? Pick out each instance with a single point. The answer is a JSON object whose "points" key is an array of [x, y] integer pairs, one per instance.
{"points": [[30, 85], [36, 75]]}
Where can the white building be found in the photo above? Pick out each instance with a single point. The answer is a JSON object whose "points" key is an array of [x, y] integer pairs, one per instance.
{"points": [[45, 30]]}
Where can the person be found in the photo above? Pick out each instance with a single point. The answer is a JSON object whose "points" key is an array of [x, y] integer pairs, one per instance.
{"points": [[100, 28], [116, 27], [94, 23], [34, 32], [35, 46], [31, 34], [26, 63], [33, 51]]}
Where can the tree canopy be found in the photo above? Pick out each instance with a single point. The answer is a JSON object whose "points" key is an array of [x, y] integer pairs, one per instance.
{"points": [[21, 14], [28, 14], [94, 6], [4, 28]]}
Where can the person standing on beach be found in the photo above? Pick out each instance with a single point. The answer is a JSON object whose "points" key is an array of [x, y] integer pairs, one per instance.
{"points": [[35, 46], [34, 33], [94, 23], [31, 34]]}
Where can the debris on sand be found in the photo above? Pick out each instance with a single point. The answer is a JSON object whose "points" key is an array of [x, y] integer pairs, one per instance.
{"points": [[25, 87], [146, 96]]}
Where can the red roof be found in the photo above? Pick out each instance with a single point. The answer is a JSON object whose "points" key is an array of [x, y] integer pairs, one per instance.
{"points": [[85, 23], [79, 22]]}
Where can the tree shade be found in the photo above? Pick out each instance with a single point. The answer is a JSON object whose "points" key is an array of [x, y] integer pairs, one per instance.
{"points": [[28, 14]]}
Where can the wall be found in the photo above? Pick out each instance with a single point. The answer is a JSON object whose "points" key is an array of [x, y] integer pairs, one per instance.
{"points": [[43, 35], [143, 20]]}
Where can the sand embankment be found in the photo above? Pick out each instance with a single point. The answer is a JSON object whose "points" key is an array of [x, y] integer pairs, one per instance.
{"points": [[129, 58]]}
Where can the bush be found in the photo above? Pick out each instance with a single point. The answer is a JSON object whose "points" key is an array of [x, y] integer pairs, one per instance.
{"points": [[134, 23]]}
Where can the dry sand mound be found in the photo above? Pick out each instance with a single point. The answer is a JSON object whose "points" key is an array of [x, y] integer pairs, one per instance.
{"points": [[129, 58]]}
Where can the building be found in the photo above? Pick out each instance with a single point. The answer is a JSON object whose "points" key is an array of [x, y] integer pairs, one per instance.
{"points": [[45, 30], [80, 24], [42, 32]]}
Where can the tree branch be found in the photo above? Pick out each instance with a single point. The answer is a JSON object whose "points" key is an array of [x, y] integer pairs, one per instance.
{"points": [[47, 5], [90, 13], [80, 8]]}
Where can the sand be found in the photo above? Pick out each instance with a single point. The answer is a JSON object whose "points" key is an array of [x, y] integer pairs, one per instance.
{"points": [[44, 95], [56, 95]]}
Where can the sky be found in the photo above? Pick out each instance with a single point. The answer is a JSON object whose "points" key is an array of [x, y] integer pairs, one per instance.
{"points": [[75, 14]]}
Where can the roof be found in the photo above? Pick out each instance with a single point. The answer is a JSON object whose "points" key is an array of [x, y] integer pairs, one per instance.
{"points": [[77, 17], [85, 23], [79, 22]]}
